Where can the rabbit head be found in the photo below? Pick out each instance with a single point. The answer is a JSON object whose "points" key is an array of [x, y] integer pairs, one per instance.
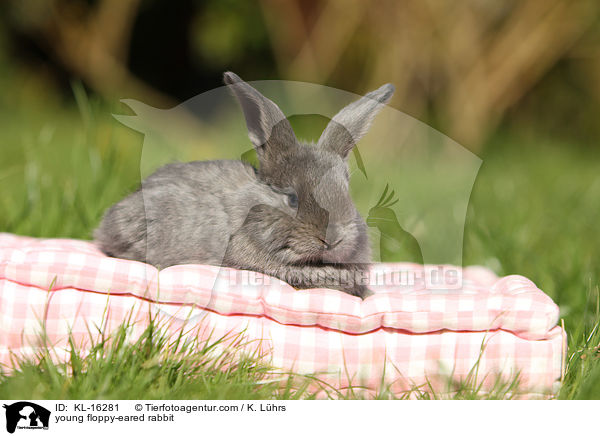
{"points": [[317, 221]]}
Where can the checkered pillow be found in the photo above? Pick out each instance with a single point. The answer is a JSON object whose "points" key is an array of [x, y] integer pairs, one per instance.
{"points": [[423, 321]]}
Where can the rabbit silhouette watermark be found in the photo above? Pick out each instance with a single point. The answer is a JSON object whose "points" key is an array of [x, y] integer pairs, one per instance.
{"points": [[293, 215]]}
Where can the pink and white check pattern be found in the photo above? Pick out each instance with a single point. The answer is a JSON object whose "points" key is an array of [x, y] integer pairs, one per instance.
{"points": [[413, 333]]}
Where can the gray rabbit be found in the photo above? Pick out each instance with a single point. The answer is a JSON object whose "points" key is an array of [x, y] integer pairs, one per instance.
{"points": [[292, 218]]}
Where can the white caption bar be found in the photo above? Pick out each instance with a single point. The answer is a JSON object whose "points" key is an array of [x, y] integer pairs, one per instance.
{"points": [[294, 417]]}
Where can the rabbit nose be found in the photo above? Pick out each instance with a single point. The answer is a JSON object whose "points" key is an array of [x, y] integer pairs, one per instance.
{"points": [[329, 245], [334, 235], [333, 245]]}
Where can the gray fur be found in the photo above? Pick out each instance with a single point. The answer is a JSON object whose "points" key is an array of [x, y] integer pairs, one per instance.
{"points": [[227, 213]]}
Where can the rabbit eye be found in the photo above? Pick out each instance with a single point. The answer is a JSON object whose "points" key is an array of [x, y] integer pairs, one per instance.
{"points": [[292, 200]]}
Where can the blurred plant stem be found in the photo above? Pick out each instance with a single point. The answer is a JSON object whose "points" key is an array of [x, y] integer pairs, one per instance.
{"points": [[91, 40], [461, 66], [470, 60]]}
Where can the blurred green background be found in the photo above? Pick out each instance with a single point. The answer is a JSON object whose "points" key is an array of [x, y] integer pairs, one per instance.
{"points": [[514, 81], [469, 68]]}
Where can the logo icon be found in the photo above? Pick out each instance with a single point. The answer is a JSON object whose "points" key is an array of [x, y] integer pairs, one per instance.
{"points": [[26, 415]]}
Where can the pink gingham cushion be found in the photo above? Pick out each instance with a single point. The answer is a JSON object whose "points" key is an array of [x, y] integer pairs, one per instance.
{"points": [[407, 335], [474, 300]]}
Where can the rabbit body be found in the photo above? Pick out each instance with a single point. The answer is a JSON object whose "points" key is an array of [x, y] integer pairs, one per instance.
{"points": [[182, 213], [291, 218]]}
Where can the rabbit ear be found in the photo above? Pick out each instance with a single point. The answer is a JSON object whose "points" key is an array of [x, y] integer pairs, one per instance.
{"points": [[268, 128], [350, 124]]}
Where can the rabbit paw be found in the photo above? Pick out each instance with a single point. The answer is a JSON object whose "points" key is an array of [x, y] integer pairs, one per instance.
{"points": [[358, 291]]}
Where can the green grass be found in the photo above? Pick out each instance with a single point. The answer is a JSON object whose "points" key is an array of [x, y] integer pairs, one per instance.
{"points": [[157, 365], [533, 211]]}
